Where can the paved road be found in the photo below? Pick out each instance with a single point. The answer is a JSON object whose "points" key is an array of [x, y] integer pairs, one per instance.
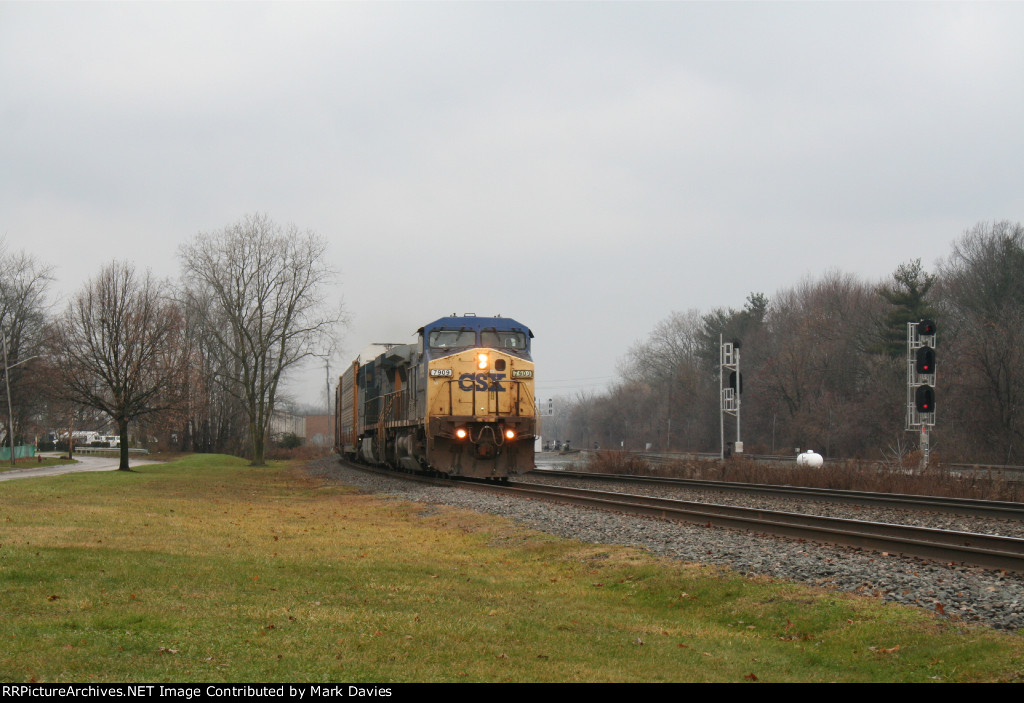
{"points": [[85, 463]]}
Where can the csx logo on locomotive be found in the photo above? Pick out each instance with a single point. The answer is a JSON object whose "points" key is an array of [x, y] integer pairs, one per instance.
{"points": [[482, 382]]}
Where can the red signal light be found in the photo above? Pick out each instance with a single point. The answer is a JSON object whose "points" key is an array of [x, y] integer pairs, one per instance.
{"points": [[924, 399], [925, 361]]}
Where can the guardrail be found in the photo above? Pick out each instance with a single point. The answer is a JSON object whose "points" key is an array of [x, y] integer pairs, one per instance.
{"points": [[109, 450]]}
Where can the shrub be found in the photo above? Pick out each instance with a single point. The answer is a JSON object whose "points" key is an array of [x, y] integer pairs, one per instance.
{"points": [[289, 440]]}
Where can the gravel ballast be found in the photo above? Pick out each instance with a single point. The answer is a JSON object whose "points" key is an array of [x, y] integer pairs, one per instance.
{"points": [[970, 594]]}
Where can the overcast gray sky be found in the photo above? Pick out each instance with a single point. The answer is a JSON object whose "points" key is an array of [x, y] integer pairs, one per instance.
{"points": [[585, 168]]}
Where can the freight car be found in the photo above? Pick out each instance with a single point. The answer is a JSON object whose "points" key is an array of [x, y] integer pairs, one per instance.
{"points": [[459, 401]]}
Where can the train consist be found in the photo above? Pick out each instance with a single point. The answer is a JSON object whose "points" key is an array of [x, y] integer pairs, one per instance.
{"points": [[459, 401]]}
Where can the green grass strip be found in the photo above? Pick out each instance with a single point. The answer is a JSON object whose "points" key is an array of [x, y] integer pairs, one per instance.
{"points": [[207, 570]]}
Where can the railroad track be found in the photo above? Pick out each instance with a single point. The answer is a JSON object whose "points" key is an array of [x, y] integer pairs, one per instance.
{"points": [[955, 506], [990, 551], [1008, 471]]}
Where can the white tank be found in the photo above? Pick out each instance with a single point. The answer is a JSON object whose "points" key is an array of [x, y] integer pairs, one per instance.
{"points": [[810, 459]]}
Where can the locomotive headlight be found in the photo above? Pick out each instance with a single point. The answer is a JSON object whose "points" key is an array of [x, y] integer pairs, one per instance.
{"points": [[481, 361], [510, 434], [461, 433]]}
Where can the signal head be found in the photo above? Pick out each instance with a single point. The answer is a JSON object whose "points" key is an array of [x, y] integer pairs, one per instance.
{"points": [[925, 360], [924, 399], [734, 383]]}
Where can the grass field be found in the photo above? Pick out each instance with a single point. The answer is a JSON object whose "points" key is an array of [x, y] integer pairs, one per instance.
{"points": [[205, 569]]}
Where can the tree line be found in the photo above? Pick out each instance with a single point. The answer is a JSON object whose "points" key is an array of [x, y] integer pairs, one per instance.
{"points": [[196, 362], [824, 365]]}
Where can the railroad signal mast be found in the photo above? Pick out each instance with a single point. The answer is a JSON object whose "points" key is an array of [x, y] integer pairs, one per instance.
{"points": [[730, 396], [921, 383]]}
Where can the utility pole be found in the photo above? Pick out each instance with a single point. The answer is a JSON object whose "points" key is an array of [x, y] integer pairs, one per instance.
{"points": [[10, 407]]}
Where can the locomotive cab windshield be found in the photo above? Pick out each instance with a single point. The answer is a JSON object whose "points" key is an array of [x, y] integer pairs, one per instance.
{"points": [[505, 339], [452, 339]]}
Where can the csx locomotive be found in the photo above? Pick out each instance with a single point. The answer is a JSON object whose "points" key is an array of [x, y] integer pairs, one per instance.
{"points": [[459, 401]]}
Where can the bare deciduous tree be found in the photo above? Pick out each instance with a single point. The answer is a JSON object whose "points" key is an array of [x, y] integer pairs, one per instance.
{"points": [[260, 291], [23, 309], [214, 420], [665, 379], [112, 347], [981, 320], [816, 363]]}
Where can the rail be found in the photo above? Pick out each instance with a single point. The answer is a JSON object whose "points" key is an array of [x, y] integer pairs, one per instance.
{"points": [[989, 551], [955, 506]]}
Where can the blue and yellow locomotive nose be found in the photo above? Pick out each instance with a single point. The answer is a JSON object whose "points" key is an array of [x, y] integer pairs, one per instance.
{"points": [[481, 418]]}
